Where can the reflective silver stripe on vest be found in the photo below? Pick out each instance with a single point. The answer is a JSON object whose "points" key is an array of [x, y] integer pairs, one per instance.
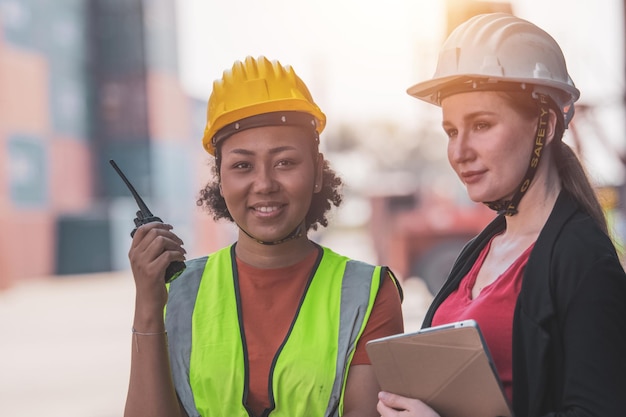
{"points": [[178, 325], [355, 294]]}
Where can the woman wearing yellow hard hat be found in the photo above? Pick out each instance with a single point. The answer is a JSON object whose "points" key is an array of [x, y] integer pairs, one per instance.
{"points": [[543, 280], [274, 324]]}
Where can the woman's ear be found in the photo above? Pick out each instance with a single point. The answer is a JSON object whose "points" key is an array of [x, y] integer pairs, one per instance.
{"points": [[319, 173], [551, 128]]}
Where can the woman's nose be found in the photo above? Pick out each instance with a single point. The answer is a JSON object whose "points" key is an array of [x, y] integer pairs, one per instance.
{"points": [[265, 181], [459, 148]]}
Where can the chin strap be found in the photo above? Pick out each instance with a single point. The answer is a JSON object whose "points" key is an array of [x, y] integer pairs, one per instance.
{"points": [[296, 233], [509, 207]]}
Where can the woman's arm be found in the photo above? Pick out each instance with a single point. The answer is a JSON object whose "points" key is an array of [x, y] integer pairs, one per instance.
{"points": [[594, 343], [386, 319], [361, 392], [151, 389]]}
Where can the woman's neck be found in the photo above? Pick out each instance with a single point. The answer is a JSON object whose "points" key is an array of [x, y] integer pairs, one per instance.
{"points": [[534, 208], [273, 256]]}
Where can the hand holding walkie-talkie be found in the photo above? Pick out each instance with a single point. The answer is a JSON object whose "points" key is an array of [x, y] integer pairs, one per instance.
{"points": [[144, 215]]}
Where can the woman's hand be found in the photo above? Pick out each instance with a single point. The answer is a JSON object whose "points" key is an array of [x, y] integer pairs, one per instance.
{"points": [[153, 248], [392, 405], [151, 389]]}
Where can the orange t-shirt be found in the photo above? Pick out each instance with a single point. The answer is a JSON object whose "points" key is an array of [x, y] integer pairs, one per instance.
{"points": [[270, 298]]}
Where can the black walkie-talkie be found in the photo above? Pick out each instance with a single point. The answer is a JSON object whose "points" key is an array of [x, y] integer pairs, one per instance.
{"points": [[144, 215]]}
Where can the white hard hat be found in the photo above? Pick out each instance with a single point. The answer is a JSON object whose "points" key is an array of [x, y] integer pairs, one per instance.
{"points": [[499, 51]]}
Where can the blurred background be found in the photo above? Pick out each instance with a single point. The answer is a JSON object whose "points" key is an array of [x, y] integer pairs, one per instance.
{"points": [[86, 81]]}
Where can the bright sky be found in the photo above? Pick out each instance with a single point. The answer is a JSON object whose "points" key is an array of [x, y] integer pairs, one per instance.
{"points": [[358, 57], [354, 55]]}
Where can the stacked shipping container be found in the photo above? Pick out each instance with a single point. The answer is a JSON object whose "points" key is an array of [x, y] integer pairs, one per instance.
{"points": [[82, 82]]}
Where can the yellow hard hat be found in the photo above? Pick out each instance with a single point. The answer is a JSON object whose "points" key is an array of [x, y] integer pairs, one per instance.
{"points": [[257, 87]]}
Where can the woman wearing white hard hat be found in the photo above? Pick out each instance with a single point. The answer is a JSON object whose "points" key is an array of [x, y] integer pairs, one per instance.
{"points": [[543, 280]]}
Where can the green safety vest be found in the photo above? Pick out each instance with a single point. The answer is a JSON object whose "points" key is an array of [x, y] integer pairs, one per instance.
{"points": [[208, 354]]}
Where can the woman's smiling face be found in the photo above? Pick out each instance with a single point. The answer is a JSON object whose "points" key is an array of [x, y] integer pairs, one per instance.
{"points": [[268, 176], [489, 143]]}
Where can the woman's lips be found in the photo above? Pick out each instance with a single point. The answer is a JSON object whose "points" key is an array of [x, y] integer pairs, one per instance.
{"points": [[266, 210], [471, 177]]}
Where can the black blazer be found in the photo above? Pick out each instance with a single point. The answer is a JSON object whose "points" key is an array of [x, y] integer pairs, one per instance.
{"points": [[569, 325]]}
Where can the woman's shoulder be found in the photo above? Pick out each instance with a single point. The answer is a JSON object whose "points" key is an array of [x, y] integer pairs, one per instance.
{"points": [[581, 251], [582, 235], [332, 254]]}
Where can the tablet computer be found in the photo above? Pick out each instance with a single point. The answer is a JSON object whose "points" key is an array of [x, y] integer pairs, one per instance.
{"points": [[449, 367]]}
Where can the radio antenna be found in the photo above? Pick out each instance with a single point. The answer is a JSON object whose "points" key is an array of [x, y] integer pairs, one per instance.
{"points": [[142, 206]]}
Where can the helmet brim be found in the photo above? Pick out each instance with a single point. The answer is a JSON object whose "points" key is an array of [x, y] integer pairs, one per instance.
{"points": [[430, 91]]}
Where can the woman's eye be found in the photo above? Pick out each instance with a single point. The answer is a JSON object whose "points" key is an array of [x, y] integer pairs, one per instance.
{"points": [[241, 165], [481, 126], [284, 163], [451, 132]]}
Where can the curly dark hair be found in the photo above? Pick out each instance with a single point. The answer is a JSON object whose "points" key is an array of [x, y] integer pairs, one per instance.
{"points": [[211, 199]]}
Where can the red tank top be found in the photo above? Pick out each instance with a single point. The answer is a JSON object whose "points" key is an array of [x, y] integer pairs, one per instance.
{"points": [[492, 309]]}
